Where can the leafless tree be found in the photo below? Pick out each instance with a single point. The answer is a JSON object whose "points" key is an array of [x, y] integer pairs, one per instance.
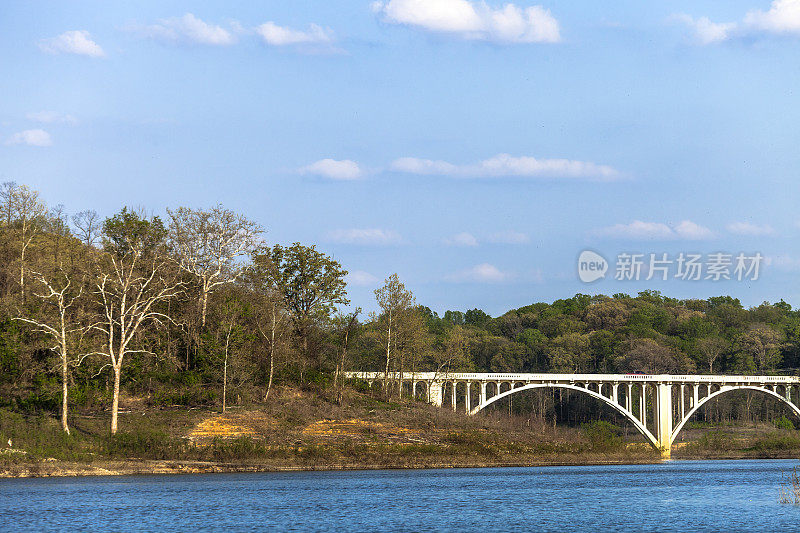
{"points": [[87, 224], [129, 289], [60, 293], [208, 245], [7, 201], [349, 322], [29, 217]]}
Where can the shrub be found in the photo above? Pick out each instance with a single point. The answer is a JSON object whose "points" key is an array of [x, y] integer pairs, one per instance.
{"points": [[602, 435], [784, 423]]}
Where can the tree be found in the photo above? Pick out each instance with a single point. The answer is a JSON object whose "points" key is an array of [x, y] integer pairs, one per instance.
{"points": [[60, 324], [393, 299], [208, 244], [311, 285], [87, 224], [29, 216], [349, 325], [647, 355], [133, 278], [711, 348], [761, 345]]}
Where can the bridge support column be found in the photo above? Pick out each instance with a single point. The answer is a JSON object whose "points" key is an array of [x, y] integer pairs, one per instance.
{"points": [[615, 392], [663, 412], [628, 399], [482, 397], [683, 409], [435, 396], [642, 405], [453, 395], [468, 397], [695, 394]]}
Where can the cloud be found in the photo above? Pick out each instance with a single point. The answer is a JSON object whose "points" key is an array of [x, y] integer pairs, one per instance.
{"points": [[705, 31], [49, 117], [504, 165], [77, 42], [508, 237], [366, 236], [31, 138], [473, 20], [652, 231], [344, 170], [461, 239], [782, 18], [688, 230], [275, 35], [746, 228], [483, 273], [187, 29], [360, 278]]}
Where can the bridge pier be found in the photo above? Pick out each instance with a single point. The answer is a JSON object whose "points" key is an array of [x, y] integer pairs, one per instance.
{"points": [[663, 408]]}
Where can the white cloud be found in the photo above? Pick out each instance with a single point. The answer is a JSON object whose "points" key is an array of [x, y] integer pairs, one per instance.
{"points": [[746, 228], [187, 29], [72, 42], [473, 20], [343, 169], [461, 239], [688, 230], [651, 231], [705, 31], [31, 138], [508, 237], [360, 278], [483, 273], [275, 35], [49, 117], [365, 236], [782, 18], [504, 165]]}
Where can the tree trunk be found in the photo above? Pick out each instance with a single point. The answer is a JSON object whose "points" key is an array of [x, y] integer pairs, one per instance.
{"points": [[64, 391], [272, 352], [204, 309], [115, 401], [388, 345], [225, 370]]}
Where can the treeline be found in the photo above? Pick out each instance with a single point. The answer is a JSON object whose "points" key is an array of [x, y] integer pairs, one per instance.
{"points": [[197, 308]]}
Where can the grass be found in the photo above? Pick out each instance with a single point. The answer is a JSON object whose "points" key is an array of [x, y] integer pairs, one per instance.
{"points": [[305, 429]]}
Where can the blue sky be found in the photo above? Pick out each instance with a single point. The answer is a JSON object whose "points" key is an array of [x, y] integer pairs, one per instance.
{"points": [[473, 148]]}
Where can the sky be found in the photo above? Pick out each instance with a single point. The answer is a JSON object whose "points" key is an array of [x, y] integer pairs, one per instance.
{"points": [[474, 148]]}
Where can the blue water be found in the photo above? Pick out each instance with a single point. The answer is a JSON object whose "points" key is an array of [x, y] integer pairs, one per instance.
{"points": [[672, 496]]}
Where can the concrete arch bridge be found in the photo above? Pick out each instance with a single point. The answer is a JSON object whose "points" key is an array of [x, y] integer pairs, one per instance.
{"points": [[672, 398]]}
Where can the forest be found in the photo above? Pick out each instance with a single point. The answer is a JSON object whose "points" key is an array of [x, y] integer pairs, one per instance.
{"points": [[197, 309]]}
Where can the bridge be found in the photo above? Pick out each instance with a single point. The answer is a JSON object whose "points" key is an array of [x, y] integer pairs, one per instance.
{"points": [[673, 399]]}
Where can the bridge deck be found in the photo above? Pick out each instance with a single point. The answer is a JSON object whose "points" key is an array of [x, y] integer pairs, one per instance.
{"points": [[578, 378]]}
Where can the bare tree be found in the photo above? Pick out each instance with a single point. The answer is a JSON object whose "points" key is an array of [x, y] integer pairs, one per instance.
{"points": [[133, 279], [208, 244], [394, 299], [350, 322], [29, 217], [87, 224], [7, 201], [60, 293]]}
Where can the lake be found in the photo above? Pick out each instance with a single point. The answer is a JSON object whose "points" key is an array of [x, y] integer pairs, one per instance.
{"points": [[671, 496]]}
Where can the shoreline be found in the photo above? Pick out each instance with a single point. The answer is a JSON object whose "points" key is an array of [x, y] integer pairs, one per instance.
{"points": [[55, 468]]}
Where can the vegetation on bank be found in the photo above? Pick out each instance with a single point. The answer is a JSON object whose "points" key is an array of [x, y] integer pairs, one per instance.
{"points": [[197, 311]]}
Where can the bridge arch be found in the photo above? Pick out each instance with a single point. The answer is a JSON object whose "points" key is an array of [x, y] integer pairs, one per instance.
{"points": [[723, 390], [624, 412]]}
